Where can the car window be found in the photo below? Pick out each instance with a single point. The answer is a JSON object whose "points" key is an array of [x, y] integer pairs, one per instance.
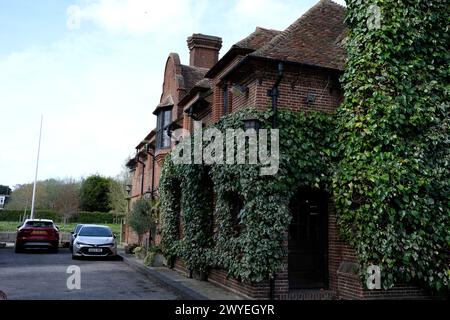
{"points": [[77, 228], [95, 232], [39, 224]]}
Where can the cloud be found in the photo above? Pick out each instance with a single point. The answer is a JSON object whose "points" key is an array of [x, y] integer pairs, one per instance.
{"points": [[96, 106], [98, 85], [141, 16]]}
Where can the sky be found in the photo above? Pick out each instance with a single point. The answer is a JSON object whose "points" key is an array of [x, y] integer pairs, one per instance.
{"points": [[94, 70]]}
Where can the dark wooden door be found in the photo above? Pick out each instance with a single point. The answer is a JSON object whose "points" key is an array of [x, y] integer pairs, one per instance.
{"points": [[308, 239]]}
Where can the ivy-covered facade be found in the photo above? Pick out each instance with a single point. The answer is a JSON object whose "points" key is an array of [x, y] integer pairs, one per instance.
{"points": [[346, 196]]}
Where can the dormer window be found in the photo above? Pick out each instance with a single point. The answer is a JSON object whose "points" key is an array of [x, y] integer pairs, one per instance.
{"points": [[162, 128]]}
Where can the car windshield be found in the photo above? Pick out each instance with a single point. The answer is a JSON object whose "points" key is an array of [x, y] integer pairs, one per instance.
{"points": [[39, 224], [95, 232], [77, 228]]}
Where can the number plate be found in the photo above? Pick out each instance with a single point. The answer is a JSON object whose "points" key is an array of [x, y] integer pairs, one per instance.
{"points": [[94, 250], [38, 232]]}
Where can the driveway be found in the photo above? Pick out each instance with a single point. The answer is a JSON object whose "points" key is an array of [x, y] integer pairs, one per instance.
{"points": [[42, 275]]}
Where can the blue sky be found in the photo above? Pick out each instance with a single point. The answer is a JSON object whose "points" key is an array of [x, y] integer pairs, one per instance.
{"points": [[94, 69]]}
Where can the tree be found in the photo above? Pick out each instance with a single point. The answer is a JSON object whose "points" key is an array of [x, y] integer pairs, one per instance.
{"points": [[66, 200], [94, 194], [21, 197], [143, 217], [118, 193], [5, 190]]}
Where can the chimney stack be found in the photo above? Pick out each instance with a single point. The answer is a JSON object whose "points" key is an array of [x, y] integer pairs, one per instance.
{"points": [[203, 50]]}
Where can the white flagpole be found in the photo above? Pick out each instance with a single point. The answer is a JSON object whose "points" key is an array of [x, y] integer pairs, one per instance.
{"points": [[36, 172]]}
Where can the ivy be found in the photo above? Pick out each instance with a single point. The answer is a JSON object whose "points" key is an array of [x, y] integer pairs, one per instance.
{"points": [[384, 158], [256, 250], [392, 182]]}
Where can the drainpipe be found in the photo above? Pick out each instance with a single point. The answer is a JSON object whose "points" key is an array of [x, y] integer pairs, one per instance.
{"points": [[143, 172], [274, 93], [272, 286], [152, 154]]}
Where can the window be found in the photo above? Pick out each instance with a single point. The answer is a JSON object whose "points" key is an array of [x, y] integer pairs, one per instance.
{"points": [[163, 121], [88, 231]]}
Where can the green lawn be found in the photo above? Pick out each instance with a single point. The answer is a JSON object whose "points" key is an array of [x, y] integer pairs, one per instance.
{"points": [[6, 226]]}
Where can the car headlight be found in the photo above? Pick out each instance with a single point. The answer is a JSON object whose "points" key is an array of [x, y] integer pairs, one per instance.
{"points": [[79, 244], [112, 244]]}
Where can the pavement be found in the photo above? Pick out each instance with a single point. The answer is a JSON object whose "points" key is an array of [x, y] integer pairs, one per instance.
{"points": [[42, 275], [187, 288]]}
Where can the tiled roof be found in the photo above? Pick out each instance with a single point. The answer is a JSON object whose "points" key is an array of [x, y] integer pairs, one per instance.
{"points": [[313, 39], [201, 86], [192, 75], [257, 39], [252, 42]]}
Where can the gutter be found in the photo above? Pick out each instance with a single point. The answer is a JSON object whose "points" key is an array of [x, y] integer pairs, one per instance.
{"points": [[247, 58]]}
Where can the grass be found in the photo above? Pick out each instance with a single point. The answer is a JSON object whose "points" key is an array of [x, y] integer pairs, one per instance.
{"points": [[11, 226]]}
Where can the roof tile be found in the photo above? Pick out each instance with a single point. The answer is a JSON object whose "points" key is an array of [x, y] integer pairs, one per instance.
{"points": [[312, 39]]}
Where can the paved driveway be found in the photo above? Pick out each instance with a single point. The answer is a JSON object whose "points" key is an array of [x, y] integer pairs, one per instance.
{"points": [[44, 276]]}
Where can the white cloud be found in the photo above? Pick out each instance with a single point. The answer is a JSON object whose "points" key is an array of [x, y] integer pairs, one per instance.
{"points": [[96, 106], [97, 87], [141, 16]]}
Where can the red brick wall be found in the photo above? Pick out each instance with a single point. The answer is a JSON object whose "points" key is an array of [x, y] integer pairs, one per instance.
{"points": [[294, 87]]}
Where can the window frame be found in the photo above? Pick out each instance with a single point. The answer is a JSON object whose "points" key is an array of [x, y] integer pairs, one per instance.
{"points": [[162, 128]]}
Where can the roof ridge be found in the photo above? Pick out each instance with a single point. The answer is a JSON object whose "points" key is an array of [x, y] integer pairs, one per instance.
{"points": [[281, 36]]}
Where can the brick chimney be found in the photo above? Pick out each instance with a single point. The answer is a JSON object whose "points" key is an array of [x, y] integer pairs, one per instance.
{"points": [[203, 50]]}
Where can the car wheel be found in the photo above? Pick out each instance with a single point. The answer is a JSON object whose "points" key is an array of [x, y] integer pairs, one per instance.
{"points": [[17, 249], [74, 257], [55, 250]]}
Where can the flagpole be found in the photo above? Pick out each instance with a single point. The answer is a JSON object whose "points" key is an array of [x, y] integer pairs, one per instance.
{"points": [[36, 172]]}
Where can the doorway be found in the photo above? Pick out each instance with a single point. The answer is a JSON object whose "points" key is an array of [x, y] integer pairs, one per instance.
{"points": [[308, 240]]}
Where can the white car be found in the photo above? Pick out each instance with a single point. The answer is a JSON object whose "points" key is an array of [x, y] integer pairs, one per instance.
{"points": [[94, 241]]}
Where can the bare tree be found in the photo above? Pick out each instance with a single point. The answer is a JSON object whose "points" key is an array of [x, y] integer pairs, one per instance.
{"points": [[118, 193], [66, 199]]}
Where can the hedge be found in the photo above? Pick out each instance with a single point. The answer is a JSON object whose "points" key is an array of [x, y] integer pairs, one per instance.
{"points": [[81, 217]]}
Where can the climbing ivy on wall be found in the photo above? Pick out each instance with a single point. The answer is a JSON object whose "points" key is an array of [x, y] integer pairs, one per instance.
{"points": [[384, 158], [257, 249], [392, 182]]}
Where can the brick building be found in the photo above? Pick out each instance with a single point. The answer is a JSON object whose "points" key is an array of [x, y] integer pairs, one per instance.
{"points": [[305, 62]]}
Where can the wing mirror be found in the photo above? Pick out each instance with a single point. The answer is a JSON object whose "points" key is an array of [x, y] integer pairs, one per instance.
{"points": [[114, 235], [74, 235]]}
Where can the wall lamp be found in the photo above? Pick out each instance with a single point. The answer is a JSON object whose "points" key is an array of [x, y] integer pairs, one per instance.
{"points": [[251, 123]]}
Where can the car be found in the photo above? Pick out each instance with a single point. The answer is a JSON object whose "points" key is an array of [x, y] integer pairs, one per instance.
{"points": [[94, 241], [37, 233], [73, 233]]}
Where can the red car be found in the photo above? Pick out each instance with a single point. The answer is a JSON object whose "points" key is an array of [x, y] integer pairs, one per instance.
{"points": [[37, 233]]}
